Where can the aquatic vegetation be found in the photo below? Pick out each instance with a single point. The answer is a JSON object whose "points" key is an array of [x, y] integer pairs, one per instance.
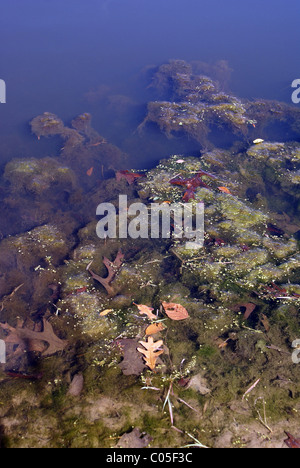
{"points": [[266, 174], [39, 177], [31, 259], [191, 184], [226, 264], [195, 105], [47, 124], [198, 338], [82, 144]]}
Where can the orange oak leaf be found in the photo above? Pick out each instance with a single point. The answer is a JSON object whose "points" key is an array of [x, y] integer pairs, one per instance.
{"points": [[224, 190], [145, 310], [154, 328], [105, 312], [152, 351], [175, 311]]}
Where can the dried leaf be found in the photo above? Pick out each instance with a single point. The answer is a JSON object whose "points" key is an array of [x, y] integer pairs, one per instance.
{"points": [[154, 328], [113, 268], [23, 338], [128, 176], [105, 312], [152, 351], [145, 310], [76, 385], [134, 439], [224, 190], [132, 363], [264, 320], [175, 311], [249, 306], [292, 442]]}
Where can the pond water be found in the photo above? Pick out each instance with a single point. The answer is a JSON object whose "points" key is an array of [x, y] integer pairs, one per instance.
{"points": [[142, 341], [55, 53]]}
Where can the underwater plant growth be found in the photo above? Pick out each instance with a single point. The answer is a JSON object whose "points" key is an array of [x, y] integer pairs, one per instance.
{"points": [[142, 342]]}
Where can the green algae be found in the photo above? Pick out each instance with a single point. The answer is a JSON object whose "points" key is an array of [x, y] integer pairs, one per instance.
{"points": [[241, 262], [37, 176], [199, 104]]}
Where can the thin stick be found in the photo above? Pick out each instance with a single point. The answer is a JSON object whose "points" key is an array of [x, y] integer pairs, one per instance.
{"points": [[250, 388], [189, 406], [176, 429], [264, 419]]}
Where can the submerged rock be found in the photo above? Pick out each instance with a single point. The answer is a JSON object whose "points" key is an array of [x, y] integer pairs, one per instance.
{"points": [[47, 124], [238, 253], [39, 177], [196, 105]]}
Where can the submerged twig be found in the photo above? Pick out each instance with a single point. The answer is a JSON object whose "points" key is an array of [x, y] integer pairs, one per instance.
{"points": [[197, 444], [167, 400], [250, 388], [10, 296], [189, 406], [263, 419]]}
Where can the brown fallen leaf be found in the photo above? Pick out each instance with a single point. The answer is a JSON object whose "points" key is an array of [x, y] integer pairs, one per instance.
{"points": [[105, 312], [128, 176], [76, 385], [291, 441], [152, 351], [249, 306], [113, 268], [134, 439], [15, 345], [132, 363], [175, 311], [145, 310], [23, 337], [264, 320], [154, 328]]}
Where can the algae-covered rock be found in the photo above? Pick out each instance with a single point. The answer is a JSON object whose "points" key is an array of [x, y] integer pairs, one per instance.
{"points": [[46, 125], [238, 252], [240, 289], [81, 143], [30, 264], [267, 174], [34, 247], [195, 104], [39, 176]]}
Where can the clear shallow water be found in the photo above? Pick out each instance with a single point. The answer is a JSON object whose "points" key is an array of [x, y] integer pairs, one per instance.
{"points": [[92, 56], [54, 53]]}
